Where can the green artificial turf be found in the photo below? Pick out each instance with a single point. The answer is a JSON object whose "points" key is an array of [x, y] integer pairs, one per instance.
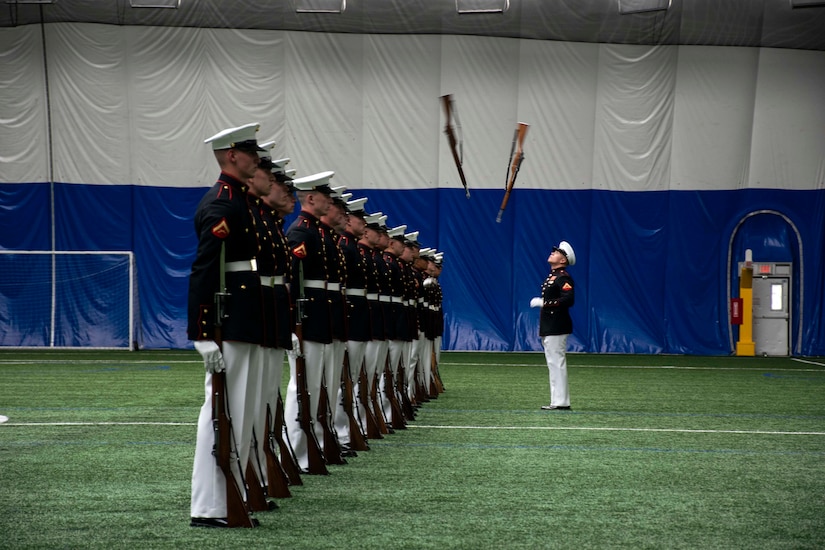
{"points": [[658, 452]]}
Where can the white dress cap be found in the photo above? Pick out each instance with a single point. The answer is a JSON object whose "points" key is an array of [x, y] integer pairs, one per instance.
{"points": [[242, 137], [397, 232], [357, 205], [315, 182], [565, 248]]}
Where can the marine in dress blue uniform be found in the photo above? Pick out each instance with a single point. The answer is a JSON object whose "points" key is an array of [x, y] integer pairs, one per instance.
{"points": [[227, 241], [308, 249], [555, 324]]}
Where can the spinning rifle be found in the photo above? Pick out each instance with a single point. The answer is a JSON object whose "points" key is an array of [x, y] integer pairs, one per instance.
{"points": [[516, 157], [455, 148]]}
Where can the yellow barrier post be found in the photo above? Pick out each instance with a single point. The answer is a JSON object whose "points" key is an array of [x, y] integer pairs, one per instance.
{"points": [[746, 347]]}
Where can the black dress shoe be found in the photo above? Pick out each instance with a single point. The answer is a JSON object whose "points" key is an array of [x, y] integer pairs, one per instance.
{"points": [[271, 505], [209, 522], [216, 523], [348, 453], [554, 408]]}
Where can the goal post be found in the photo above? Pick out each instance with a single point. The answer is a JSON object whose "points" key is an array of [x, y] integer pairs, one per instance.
{"points": [[68, 299]]}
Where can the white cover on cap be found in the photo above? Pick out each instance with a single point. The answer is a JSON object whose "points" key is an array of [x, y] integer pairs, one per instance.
{"points": [[309, 183], [397, 231], [412, 236], [226, 139], [268, 147], [356, 205], [279, 165], [568, 251]]}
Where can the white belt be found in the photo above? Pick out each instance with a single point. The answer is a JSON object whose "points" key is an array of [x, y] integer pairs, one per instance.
{"points": [[372, 295], [315, 283], [411, 302], [356, 292], [421, 300], [397, 300], [272, 280], [241, 265], [335, 287], [383, 298]]}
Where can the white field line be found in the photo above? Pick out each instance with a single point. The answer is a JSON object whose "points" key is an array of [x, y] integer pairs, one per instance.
{"points": [[670, 367], [101, 424], [433, 427], [808, 362], [197, 361], [604, 429]]}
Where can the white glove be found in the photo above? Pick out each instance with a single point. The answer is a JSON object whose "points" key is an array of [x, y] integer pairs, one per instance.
{"points": [[537, 302], [211, 353], [296, 346]]}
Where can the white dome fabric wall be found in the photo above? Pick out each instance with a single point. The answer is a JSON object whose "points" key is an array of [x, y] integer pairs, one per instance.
{"points": [[645, 157]]}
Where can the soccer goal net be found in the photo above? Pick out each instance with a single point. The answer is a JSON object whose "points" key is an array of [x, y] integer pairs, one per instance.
{"points": [[68, 300]]}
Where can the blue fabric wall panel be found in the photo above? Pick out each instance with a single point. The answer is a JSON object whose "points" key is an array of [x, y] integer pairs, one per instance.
{"points": [[25, 303], [628, 252], [165, 249], [651, 274], [25, 210], [544, 219], [94, 217]]}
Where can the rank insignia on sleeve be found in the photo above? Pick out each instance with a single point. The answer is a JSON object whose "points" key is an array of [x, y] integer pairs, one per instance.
{"points": [[221, 229], [567, 286], [300, 251]]}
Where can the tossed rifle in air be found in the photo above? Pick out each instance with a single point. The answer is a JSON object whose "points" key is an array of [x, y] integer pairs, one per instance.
{"points": [[456, 148], [356, 438], [315, 456], [514, 165], [237, 512]]}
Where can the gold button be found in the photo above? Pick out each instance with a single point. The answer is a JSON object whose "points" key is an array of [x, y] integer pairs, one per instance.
{"points": [[204, 335], [243, 287]]}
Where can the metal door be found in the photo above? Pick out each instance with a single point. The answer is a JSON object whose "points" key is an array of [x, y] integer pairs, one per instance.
{"points": [[771, 315]]}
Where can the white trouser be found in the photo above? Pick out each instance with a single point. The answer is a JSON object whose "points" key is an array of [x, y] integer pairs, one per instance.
{"points": [[555, 351], [332, 380], [426, 362], [437, 345], [208, 481], [267, 395], [314, 353]]}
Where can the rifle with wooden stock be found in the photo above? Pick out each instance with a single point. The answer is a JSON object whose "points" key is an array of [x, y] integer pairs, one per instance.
{"points": [[514, 165], [398, 422], [370, 420], [447, 102], [439, 385], [315, 456], [404, 392], [255, 488], [277, 478], [237, 513], [289, 461], [357, 441], [375, 400], [326, 415]]}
